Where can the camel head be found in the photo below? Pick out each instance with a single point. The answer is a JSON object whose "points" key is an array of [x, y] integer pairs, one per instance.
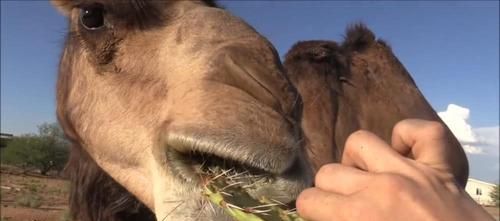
{"points": [[358, 84], [159, 92]]}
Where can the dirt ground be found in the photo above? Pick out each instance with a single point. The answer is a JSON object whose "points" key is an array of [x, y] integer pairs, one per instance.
{"points": [[38, 198], [32, 197]]}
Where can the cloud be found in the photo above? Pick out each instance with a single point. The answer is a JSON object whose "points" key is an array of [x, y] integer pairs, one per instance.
{"points": [[472, 149], [488, 140], [480, 144], [474, 140], [456, 118]]}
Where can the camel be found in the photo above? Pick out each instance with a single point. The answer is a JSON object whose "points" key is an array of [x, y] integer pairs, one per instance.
{"points": [[147, 89], [150, 89], [358, 85]]}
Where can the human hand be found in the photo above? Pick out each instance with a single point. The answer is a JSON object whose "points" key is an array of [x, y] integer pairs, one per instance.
{"points": [[374, 182], [432, 144]]}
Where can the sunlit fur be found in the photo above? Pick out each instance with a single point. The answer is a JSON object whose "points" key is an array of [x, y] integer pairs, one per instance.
{"points": [[145, 88]]}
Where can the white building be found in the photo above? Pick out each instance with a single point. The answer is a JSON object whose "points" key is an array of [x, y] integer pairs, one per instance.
{"points": [[480, 191]]}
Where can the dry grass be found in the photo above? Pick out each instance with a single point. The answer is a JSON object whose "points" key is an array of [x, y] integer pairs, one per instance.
{"points": [[28, 197], [31, 200]]}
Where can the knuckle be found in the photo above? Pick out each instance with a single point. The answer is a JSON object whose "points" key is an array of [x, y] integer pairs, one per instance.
{"points": [[355, 139], [327, 169], [325, 172], [436, 128], [360, 134], [401, 126]]}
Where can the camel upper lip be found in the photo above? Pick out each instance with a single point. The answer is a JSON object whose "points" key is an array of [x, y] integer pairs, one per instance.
{"points": [[193, 166], [269, 158]]}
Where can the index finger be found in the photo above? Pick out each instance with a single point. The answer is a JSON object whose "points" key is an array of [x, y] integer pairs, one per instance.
{"points": [[367, 151]]}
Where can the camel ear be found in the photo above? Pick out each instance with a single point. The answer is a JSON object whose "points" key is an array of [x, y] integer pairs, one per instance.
{"points": [[358, 37], [63, 6]]}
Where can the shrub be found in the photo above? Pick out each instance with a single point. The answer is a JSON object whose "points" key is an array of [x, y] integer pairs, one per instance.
{"points": [[46, 151], [30, 200], [33, 188]]}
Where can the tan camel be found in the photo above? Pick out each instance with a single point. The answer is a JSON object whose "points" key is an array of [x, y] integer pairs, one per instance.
{"points": [[150, 88]]}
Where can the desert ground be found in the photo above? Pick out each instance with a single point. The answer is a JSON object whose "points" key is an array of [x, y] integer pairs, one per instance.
{"points": [[32, 197]]}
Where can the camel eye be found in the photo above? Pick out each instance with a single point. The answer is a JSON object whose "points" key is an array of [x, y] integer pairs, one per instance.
{"points": [[92, 18]]}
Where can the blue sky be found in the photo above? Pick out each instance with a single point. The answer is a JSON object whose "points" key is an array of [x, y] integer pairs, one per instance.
{"points": [[450, 48]]}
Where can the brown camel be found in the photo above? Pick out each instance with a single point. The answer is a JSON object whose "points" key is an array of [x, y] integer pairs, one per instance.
{"points": [[148, 88], [359, 84]]}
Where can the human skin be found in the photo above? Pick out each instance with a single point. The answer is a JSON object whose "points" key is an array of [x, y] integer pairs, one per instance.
{"points": [[408, 180]]}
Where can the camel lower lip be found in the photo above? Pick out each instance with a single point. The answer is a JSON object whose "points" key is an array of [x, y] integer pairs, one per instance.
{"points": [[200, 169]]}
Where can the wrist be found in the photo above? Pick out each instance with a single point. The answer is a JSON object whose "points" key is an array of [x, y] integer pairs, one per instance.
{"points": [[473, 211]]}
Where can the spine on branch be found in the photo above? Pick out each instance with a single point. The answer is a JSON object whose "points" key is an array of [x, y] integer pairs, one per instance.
{"points": [[235, 201]]}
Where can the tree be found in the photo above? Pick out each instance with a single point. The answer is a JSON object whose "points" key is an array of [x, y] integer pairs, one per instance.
{"points": [[54, 131], [495, 195], [46, 151]]}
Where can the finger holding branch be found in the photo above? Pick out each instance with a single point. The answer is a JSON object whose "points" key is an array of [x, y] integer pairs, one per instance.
{"points": [[376, 182], [433, 144], [366, 151]]}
